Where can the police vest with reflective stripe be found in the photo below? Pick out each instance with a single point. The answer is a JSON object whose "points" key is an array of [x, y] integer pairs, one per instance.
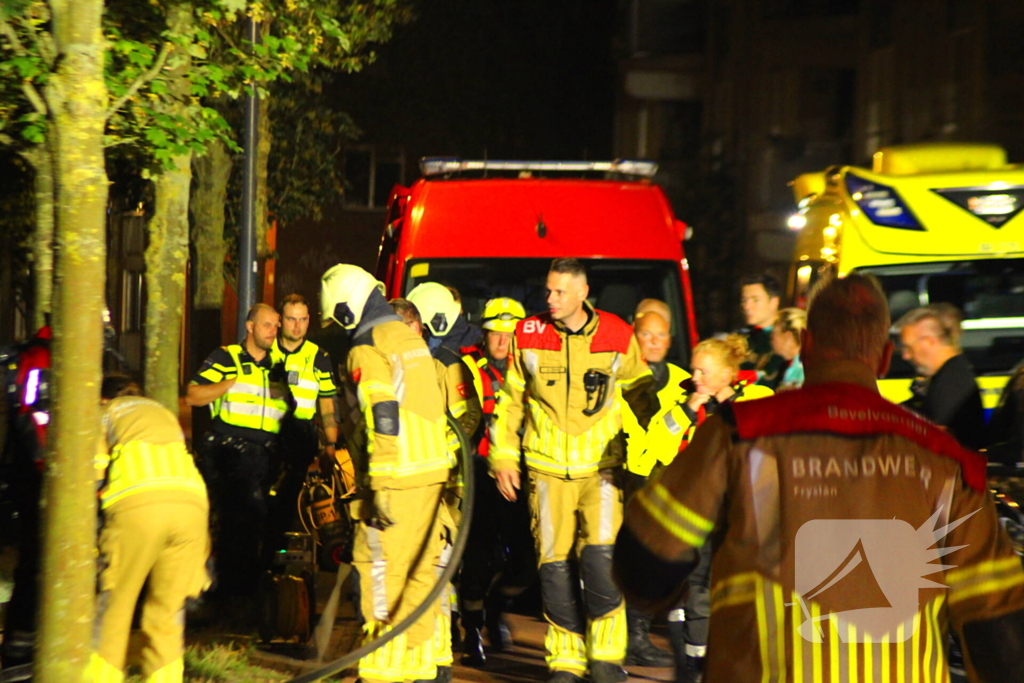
{"points": [[140, 467], [250, 403], [304, 383]]}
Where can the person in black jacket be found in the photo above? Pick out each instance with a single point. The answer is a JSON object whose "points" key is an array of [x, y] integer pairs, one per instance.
{"points": [[947, 391]]}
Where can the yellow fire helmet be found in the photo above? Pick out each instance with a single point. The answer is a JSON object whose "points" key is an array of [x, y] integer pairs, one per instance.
{"points": [[502, 314], [437, 307], [344, 291]]}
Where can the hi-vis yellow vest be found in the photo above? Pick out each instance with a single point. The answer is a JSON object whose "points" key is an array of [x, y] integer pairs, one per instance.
{"points": [[664, 435], [139, 467], [250, 402], [306, 388]]}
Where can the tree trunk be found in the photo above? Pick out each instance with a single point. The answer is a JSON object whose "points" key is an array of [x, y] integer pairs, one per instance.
{"points": [[212, 172], [77, 97], [167, 253], [41, 159], [266, 140]]}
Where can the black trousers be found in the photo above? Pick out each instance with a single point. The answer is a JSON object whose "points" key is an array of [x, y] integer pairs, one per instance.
{"points": [[26, 486], [499, 541], [297, 447], [237, 474]]}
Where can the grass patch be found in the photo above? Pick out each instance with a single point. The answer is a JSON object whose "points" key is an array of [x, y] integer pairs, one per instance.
{"points": [[226, 663]]}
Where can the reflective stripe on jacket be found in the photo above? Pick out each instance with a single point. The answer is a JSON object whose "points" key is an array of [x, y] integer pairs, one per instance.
{"points": [[138, 467], [308, 383], [544, 391], [253, 401], [664, 435]]}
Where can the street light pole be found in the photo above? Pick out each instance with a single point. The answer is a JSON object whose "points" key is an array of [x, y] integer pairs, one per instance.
{"points": [[247, 233]]}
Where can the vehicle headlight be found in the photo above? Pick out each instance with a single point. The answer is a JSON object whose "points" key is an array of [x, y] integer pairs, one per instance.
{"points": [[881, 204]]}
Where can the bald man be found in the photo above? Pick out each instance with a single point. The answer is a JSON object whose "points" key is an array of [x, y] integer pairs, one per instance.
{"points": [[646, 449]]}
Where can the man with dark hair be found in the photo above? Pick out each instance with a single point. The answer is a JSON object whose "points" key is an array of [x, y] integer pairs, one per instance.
{"points": [[825, 504], [947, 392], [154, 534], [311, 381], [759, 299], [249, 397], [566, 370]]}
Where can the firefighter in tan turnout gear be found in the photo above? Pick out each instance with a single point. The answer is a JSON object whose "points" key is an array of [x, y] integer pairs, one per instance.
{"points": [[401, 474], [850, 535], [566, 368], [155, 514]]}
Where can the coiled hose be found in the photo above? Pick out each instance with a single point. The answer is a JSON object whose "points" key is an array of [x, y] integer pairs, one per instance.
{"points": [[442, 581]]}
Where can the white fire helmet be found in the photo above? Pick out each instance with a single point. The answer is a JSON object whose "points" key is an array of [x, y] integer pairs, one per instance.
{"points": [[344, 290], [437, 307]]}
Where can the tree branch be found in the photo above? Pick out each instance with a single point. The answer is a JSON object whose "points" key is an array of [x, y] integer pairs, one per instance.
{"points": [[143, 78], [30, 91]]}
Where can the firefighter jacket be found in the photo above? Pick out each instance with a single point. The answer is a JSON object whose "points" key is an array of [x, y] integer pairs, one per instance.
{"points": [[142, 450], [460, 399], [394, 378], [487, 382], [545, 393], [257, 402], [663, 437], [309, 375], [826, 503]]}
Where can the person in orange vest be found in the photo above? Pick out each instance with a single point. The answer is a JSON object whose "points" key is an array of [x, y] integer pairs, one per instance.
{"points": [[497, 564]]}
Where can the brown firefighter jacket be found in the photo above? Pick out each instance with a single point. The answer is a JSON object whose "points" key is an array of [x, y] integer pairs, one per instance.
{"points": [[824, 504], [544, 388]]}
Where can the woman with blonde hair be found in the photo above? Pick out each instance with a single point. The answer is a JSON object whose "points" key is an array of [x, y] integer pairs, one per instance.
{"points": [[786, 343], [716, 379]]}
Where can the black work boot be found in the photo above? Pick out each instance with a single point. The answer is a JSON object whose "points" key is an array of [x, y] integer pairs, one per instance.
{"points": [[640, 651], [564, 677], [472, 642], [607, 672], [692, 671], [498, 633]]}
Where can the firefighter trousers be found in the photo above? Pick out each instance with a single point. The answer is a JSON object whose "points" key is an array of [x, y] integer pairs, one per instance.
{"points": [[578, 519], [166, 543], [396, 572]]}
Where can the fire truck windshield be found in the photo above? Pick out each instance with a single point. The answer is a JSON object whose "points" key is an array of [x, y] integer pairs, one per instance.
{"points": [[990, 293], [616, 286]]}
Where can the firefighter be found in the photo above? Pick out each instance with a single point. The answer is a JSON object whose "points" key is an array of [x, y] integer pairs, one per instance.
{"points": [[655, 446], [29, 417], [154, 533], [497, 565], [249, 397], [447, 334], [402, 472], [826, 503], [311, 380], [565, 369]]}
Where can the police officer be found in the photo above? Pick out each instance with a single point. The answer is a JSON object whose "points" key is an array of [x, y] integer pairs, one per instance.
{"points": [[310, 378], [155, 515], [499, 541], [565, 369], [249, 397], [647, 448], [401, 471], [827, 503]]}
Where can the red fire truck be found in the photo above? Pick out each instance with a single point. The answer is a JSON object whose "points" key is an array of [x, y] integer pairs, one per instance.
{"points": [[491, 228]]}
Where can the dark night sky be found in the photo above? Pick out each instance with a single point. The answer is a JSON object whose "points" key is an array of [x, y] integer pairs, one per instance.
{"points": [[524, 79]]}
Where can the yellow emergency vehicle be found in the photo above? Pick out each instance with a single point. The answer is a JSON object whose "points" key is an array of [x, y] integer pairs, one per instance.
{"points": [[934, 222]]}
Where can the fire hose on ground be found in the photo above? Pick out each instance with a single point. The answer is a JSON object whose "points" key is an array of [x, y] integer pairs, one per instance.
{"points": [[443, 580]]}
